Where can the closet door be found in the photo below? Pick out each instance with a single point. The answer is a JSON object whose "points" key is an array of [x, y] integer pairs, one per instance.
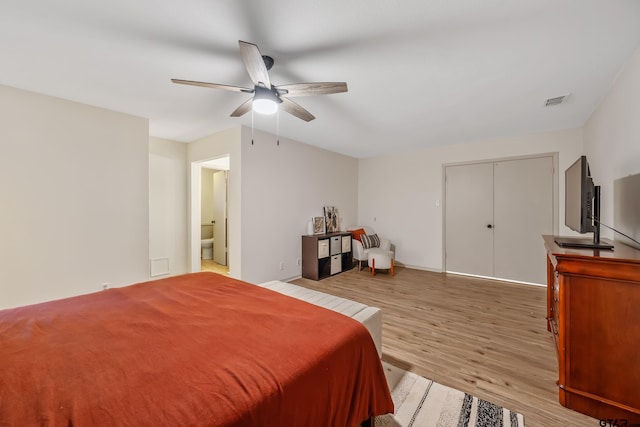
{"points": [[523, 212], [469, 219], [495, 215]]}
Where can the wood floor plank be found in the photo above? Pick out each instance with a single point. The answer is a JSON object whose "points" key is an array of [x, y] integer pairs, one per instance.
{"points": [[487, 338], [211, 265]]}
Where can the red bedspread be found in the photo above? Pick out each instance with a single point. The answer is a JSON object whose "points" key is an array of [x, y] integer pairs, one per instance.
{"points": [[194, 350]]}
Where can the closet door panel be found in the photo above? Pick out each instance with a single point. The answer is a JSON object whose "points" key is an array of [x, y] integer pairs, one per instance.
{"points": [[523, 211], [469, 218]]}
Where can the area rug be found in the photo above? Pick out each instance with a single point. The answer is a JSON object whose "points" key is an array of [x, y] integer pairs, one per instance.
{"points": [[420, 402]]}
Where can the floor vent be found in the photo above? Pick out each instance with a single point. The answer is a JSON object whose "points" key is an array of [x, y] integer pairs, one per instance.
{"points": [[159, 267]]}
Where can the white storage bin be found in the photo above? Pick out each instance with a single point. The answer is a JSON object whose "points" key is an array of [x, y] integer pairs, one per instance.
{"points": [[323, 248], [336, 264]]}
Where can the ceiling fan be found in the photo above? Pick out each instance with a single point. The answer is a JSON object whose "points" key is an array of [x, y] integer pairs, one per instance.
{"points": [[267, 97]]}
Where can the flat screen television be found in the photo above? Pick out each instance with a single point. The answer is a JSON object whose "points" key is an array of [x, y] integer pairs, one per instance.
{"points": [[581, 207], [579, 190]]}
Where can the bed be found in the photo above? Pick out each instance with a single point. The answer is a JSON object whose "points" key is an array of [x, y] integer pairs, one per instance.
{"points": [[195, 350]]}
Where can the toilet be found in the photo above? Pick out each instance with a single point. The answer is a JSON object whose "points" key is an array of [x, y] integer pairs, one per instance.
{"points": [[206, 248]]}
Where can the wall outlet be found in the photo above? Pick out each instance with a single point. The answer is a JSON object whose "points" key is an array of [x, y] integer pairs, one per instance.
{"points": [[281, 265], [298, 262]]}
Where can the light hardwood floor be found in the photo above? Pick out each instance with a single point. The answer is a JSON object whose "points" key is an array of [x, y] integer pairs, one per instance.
{"points": [[210, 265], [485, 337]]}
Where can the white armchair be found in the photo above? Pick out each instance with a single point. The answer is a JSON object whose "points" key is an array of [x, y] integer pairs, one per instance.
{"points": [[359, 252]]}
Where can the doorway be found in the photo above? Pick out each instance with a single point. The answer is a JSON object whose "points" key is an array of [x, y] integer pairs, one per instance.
{"points": [[495, 215], [213, 207]]}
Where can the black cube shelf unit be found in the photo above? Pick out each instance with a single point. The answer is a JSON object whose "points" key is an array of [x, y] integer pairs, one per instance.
{"points": [[324, 255]]}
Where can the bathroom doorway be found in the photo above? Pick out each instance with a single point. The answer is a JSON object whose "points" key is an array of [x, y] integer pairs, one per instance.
{"points": [[214, 213]]}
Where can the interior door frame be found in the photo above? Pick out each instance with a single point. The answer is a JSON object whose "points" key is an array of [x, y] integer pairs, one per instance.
{"points": [[194, 240], [555, 203], [220, 225]]}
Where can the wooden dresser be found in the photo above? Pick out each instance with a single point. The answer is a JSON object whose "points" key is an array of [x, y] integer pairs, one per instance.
{"points": [[593, 311]]}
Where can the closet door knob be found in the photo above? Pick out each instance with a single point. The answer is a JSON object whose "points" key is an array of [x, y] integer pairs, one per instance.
{"points": [[489, 226]]}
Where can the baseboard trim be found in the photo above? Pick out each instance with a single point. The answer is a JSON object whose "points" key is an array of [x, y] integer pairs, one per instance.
{"points": [[417, 267], [497, 279]]}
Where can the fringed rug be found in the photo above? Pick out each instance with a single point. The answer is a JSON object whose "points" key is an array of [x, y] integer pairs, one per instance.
{"points": [[420, 402]]}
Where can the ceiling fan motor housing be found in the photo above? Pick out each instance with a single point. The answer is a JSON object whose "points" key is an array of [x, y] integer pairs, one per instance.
{"points": [[264, 93], [268, 61]]}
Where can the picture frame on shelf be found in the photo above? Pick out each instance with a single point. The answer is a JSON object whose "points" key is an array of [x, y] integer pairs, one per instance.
{"points": [[319, 226], [330, 218]]}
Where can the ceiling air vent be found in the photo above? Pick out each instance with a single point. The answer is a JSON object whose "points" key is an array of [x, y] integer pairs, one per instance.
{"points": [[556, 100]]}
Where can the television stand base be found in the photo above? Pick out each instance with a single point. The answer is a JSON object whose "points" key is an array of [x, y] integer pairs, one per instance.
{"points": [[577, 242]]}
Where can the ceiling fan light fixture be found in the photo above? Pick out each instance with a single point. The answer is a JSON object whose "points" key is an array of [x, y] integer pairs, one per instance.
{"points": [[265, 101], [265, 106]]}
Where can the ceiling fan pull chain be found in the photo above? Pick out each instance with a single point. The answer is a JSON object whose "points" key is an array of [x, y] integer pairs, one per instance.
{"points": [[252, 126], [278, 127]]}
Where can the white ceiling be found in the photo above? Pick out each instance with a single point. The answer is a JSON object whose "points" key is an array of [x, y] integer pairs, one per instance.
{"points": [[420, 73]]}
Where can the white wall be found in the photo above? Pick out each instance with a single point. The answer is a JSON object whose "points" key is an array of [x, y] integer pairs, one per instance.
{"points": [[74, 198], [612, 136], [168, 204], [273, 192], [397, 194], [282, 188]]}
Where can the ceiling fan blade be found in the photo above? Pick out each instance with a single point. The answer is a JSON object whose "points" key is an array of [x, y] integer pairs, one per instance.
{"points": [[243, 108], [255, 64], [213, 85], [307, 89], [292, 108]]}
